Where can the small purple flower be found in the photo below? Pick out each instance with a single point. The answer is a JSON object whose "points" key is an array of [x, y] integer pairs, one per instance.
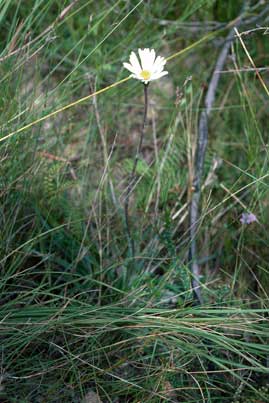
{"points": [[248, 218]]}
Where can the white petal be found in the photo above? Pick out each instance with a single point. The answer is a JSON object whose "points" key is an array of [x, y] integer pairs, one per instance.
{"points": [[155, 76], [134, 61], [130, 67], [137, 77], [147, 58], [159, 62], [143, 58], [152, 56], [157, 68]]}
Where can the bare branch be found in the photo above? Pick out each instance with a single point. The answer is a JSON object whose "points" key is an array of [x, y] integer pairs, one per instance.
{"points": [[200, 156]]}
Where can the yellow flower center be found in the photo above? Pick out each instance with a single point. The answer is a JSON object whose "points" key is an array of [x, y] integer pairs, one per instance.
{"points": [[145, 74]]}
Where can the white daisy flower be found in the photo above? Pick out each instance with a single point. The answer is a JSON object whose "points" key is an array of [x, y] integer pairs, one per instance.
{"points": [[149, 68]]}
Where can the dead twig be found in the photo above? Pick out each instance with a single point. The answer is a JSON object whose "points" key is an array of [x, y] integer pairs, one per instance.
{"points": [[201, 147]]}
